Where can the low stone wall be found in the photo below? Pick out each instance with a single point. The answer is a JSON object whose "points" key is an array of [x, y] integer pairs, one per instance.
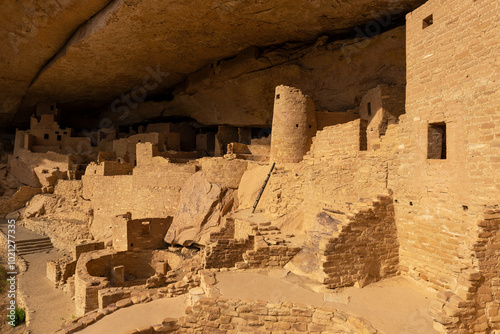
{"points": [[226, 253], [224, 315], [94, 272], [265, 256], [251, 252]]}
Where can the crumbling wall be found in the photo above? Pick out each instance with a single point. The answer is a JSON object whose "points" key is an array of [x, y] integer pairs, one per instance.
{"points": [[362, 250], [94, 271], [235, 316], [153, 190]]}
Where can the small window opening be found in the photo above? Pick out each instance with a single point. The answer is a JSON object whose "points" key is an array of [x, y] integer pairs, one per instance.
{"points": [[465, 207], [369, 108], [411, 203], [428, 21], [363, 135], [277, 96], [139, 140], [131, 245], [52, 107], [436, 141], [46, 136], [59, 138], [296, 125], [146, 228], [310, 127]]}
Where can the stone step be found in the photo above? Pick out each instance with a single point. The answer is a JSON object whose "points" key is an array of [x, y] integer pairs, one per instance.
{"points": [[34, 246], [21, 242], [36, 250]]}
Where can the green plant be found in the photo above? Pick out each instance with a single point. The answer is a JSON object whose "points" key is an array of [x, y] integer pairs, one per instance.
{"points": [[20, 316]]}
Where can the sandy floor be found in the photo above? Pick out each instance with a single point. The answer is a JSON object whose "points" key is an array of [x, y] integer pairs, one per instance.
{"points": [[49, 307], [137, 316], [395, 306]]}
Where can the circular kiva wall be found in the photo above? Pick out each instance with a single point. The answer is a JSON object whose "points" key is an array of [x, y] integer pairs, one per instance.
{"points": [[294, 124]]}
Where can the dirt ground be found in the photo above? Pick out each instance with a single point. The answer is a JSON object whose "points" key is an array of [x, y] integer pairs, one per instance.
{"points": [[394, 306]]}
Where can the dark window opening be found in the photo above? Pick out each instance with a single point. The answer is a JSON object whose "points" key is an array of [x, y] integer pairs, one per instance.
{"points": [[51, 107], [46, 136], [363, 136], [310, 127], [465, 207], [436, 141], [59, 138], [278, 97], [411, 203], [146, 228], [369, 108], [296, 125], [131, 245], [139, 140], [428, 21]]}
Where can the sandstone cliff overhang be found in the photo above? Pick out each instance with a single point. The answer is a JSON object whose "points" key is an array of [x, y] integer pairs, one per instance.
{"points": [[86, 54]]}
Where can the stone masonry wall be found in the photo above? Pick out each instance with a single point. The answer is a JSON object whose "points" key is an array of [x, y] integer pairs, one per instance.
{"points": [[294, 124], [152, 191], [224, 315], [362, 250], [441, 199]]}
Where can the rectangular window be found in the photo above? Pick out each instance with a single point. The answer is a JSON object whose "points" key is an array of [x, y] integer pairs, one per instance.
{"points": [[363, 136], [428, 21], [436, 141], [146, 228], [59, 137], [369, 108], [46, 136]]}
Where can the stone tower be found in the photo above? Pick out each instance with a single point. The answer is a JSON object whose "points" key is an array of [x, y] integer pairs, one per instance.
{"points": [[294, 124]]}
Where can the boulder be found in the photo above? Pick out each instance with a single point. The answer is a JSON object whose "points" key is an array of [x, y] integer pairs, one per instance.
{"points": [[35, 207], [308, 261], [250, 184], [18, 200], [47, 176], [201, 208], [24, 172]]}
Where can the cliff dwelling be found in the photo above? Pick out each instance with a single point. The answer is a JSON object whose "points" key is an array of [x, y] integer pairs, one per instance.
{"points": [[250, 166]]}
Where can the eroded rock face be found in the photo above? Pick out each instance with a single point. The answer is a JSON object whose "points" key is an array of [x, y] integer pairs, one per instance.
{"points": [[240, 91], [200, 211], [156, 43], [31, 32]]}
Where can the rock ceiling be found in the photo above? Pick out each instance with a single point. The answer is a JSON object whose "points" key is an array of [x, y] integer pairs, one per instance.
{"points": [[85, 54]]}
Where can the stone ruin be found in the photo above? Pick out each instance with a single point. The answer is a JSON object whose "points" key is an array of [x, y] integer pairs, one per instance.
{"points": [[402, 182]]}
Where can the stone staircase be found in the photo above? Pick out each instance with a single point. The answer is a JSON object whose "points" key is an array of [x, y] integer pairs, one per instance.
{"points": [[24, 247]]}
